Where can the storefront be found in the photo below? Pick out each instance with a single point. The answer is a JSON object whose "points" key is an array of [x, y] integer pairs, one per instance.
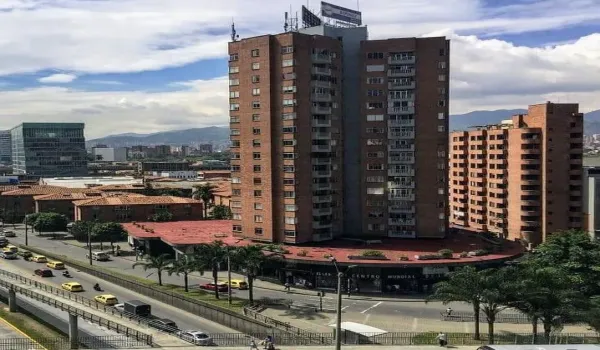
{"points": [[408, 281]]}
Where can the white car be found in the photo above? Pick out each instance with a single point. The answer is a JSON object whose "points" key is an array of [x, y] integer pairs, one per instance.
{"points": [[196, 337], [119, 307], [10, 234]]}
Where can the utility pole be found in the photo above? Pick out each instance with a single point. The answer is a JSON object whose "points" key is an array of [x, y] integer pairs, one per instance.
{"points": [[229, 276], [90, 246], [26, 235]]}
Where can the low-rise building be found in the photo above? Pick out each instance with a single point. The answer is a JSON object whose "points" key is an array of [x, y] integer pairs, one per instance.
{"points": [[222, 194], [62, 203], [142, 208], [109, 154], [183, 174], [150, 167], [214, 174]]}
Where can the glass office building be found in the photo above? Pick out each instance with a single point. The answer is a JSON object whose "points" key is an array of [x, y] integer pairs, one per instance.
{"points": [[49, 149], [5, 147]]}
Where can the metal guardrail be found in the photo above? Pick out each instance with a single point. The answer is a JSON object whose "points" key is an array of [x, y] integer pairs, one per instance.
{"points": [[63, 343], [206, 310], [470, 317], [103, 322]]}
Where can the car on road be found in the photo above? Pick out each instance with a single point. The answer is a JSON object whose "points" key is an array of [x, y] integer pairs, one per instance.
{"points": [[119, 307], [39, 259], [25, 254], [221, 287], [72, 286], [196, 337], [98, 256], [7, 254], [9, 233], [57, 265], [237, 284], [106, 299], [164, 324], [44, 272], [12, 248]]}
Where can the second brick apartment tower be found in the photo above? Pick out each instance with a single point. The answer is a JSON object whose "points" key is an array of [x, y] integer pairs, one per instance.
{"points": [[337, 135], [522, 178]]}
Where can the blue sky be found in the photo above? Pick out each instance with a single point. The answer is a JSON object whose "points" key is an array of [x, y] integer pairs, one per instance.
{"points": [[150, 65]]}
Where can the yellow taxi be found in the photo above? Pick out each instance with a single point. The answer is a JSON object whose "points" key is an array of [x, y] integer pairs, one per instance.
{"points": [[107, 299], [57, 265], [72, 287], [237, 284], [12, 248], [39, 259]]}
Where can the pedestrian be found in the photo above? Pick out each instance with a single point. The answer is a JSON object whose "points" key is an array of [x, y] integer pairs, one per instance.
{"points": [[287, 287], [442, 339], [253, 345], [448, 311]]}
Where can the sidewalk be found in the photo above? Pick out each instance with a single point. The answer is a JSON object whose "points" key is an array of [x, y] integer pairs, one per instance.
{"points": [[346, 347]]}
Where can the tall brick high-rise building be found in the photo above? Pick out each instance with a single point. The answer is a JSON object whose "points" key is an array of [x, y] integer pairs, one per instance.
{"points": [[335, 135], [521, 179]]}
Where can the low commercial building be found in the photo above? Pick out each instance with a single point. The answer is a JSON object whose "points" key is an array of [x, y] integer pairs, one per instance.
{"points": [[214, 174], [62, 203], [183, 174], [139, 208], [90, 181], [109, 154], [150, 167], [222, 194]]}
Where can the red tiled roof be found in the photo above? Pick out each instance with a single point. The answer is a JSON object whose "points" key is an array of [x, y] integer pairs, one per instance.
{"points": [[82, 195], [135, 200], [223, 189], [44, 189], [206, 231], [119, 187]]}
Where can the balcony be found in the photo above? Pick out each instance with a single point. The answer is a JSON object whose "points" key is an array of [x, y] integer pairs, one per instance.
{"points": [[319, 224], [401, 172], [320, 110], [321, 84], [404, 222], [402, 135], [401, 60], [530, 212], [321, 122], [321, 71], [321, 97], [322, 211], [399, 209], [401, 86], [530, 202], [531, 223], [401, 160], [401, 184], [320, 58], [401, 110], [401, 72], [410, 147], [321, 186], [321, 136], [401, 196], [530, 161], [401, 122], [530, 151], [321, 148], [321, 161], [321, 173], [322, 199]]}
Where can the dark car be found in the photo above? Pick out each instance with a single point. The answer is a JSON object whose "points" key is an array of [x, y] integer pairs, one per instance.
{"points": [[25, 254], [221, 287], [44, 272], [164, 324]]}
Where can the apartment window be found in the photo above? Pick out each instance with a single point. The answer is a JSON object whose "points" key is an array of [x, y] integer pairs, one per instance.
{"points": [[441, 103], [289, 129], [287, 63], [255, 79], [374, 154], [256, 155], [440, 190], [442, 77], [371, 166], [374, 105], [289, 194], [236, 204], [291, 207], [256, 168], [290, 221], [289, 233], [375, 117], [258, 206], [442, 65], [255, 143], [255, 104], [375, 55], [236, 192], [289, 142], [234, 94], [289, 102], [257, 181], [256, 92], [374, 142], [289, 76], [442, 90], [234, 82], [375, 80], [233, 57], [234, 70], [441, 128], [255, 131], [289, 89], [236, 180], [441, 116], [375, 190], [289, 169], [258, 231], [375, 179], [237, 228], [255, 66], [372, 93], [257, 193], [375, 68], [375, 130], [288, 116], [255, 117], [442, 52], [287, 49], [289, 156], [235, 143], [234, 120], [258, 218], [255, 53], [235, 132]]}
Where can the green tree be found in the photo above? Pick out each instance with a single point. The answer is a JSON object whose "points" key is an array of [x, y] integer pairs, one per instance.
{"points": [[493, 298], [149, 190], [81, 229], [109, 232], [184, 265], [50, 222], [204, 193], [31, 218], [592, 315], [170, 192], [221, 212], [251, 259], [162, 216], [210, 256], [159, 263]]}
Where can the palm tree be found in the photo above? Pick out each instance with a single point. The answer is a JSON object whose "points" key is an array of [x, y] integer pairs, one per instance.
{"points": [[493, 298], [184, 265], [160, 263], [252, 258], [210, 256], [204, 193]]}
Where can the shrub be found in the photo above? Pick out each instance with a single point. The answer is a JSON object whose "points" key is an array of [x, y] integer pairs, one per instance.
{"points": [[479, 252], [403, 258], [303, 252], [376, 253], [327, 256], [464, 254], [445, 253]]}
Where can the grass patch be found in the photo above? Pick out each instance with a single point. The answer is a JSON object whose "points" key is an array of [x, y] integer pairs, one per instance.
{"points": [[36, 330]]}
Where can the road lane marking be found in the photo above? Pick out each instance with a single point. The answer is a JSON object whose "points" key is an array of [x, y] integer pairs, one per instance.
{"points": [[372, 307], [415, 323], [345, 307]]}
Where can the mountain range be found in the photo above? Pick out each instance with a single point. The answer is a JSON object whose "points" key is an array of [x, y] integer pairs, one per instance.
{"points": [[220, 135]]}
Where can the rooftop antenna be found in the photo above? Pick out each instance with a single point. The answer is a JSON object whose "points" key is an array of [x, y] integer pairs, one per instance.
{"points": [[285, 25], [234, 35]]}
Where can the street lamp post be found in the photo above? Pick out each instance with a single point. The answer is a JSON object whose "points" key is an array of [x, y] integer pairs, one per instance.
{"points": [[229, 277], [26, 235], [338, 322], [90, 246]]}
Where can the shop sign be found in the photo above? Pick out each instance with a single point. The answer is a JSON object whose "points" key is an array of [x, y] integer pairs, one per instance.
{"points": [[401, 277], [328, 274], [442, 270]]}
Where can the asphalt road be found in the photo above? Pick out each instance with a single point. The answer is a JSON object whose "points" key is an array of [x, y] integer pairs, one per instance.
{"points": [[417, 309], [7, 331], [183, 319]]}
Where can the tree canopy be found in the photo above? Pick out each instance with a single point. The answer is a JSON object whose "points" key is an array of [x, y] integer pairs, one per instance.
{"points": [[221, 212], [45, 222]]}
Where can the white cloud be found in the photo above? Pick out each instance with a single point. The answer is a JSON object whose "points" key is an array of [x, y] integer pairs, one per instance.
{"points": [[59, 78]]}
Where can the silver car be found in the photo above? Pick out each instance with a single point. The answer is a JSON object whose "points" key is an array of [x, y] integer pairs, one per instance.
{"points": [[196, 337]]}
